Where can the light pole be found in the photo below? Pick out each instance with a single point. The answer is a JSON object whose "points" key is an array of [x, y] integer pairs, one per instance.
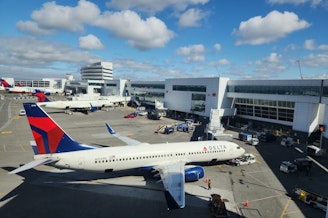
{"points": [[299, 67]]}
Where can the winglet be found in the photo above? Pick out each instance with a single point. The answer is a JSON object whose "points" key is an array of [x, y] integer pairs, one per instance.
{"points": [[126, 139], [110, 129]]}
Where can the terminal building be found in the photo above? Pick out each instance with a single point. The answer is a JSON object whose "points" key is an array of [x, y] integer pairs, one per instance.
{"points": [[297, 107], [293, 106], [97, 71]]}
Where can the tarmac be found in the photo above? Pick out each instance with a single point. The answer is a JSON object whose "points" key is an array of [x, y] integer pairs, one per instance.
{"points": [[256, 190]]}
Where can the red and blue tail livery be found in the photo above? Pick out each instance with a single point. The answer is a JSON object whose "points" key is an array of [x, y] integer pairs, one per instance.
{"points": [[49, 137], [5, 83], [41, 97]]}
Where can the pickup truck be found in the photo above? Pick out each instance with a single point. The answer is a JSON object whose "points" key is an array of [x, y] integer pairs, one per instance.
{"points": [[243, 160]]}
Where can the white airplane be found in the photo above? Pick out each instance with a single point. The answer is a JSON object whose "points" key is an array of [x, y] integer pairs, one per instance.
{"points": [[73, 105], [56, 148], [113, 99], [20, 89]]}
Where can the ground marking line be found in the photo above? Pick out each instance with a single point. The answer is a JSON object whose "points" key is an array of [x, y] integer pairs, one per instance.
{"points": [[283, 213]]}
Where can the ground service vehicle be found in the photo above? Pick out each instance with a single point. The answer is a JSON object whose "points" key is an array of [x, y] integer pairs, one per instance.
{"points": [[244, 160], [287, 142], [132, 115], [243, 136], [253, 141], [169, 130], [311, 198], [303, 163], [182, 127], [217, 206], [267, 137], [22, 112], [288, 167]]}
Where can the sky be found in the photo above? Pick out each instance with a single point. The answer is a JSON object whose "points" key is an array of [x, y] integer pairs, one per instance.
{"points": [[154, 40]]}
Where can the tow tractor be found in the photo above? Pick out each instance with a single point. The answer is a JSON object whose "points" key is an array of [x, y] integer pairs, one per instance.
{"points": [[217, 206], [311, 198]]}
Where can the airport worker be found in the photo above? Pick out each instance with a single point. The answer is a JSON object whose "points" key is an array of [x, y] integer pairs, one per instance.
{"points": [[209, 184]]}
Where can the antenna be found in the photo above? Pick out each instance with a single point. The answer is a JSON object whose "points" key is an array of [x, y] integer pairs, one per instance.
{"points": [[299, 67]]}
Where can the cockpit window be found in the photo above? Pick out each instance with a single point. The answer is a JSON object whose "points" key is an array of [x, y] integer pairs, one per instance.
{"points": [[238, 147]]}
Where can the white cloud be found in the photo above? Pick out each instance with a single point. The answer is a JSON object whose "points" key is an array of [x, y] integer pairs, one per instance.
{"points": [[34, 52], [90, 42], [221, 62], [153, 6], [323, 47], [193, 53], [260, 30], [134, 70], [309, 44], [217, 47], [315, 60], [141, 34], [270, 65], [191, 18], [314, 3], [32, 28], [53, 16]]}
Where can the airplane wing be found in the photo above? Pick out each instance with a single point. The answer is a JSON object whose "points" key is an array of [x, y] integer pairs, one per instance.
{"points": [[173, 178], [33, 164], [127, 140]]}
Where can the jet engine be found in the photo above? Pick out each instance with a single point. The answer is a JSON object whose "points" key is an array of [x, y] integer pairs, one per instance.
{"points": [[193, 173]]}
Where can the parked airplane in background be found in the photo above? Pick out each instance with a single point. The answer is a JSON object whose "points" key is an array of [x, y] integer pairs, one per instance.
{"points": [[20, 89], [82, 106], [56, 148]]}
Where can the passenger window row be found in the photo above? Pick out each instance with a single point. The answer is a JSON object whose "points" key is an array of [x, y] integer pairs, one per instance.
{"points": [[156, 156]]}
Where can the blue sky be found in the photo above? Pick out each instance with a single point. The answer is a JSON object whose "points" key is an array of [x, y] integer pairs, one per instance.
{"points": [[156, 39]]}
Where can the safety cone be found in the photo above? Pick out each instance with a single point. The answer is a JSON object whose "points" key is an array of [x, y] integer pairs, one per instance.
{"points": [[246, 203]]}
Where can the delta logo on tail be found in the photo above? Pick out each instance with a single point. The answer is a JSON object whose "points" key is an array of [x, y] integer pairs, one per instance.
{"points": [[5, 84], [41, 97], [49, 137]]}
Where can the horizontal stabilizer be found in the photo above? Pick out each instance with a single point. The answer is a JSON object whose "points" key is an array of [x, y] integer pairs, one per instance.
{"points": [[32, 164]]}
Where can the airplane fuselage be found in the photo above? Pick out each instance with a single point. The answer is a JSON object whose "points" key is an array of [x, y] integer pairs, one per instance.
{"points": [[76, 104], [145, 155]]}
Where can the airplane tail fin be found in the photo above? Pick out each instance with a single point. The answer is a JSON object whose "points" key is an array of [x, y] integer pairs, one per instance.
{"points": [[41, 97], [5, 84], [48, 135]]}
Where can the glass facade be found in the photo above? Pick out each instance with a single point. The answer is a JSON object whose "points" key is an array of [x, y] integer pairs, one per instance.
{"points": [[95, 84], [33, 83], [325, 91], [148, 86], [278, 90], [269, 109], [198, 102], [189, 88], [110, 85]]}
